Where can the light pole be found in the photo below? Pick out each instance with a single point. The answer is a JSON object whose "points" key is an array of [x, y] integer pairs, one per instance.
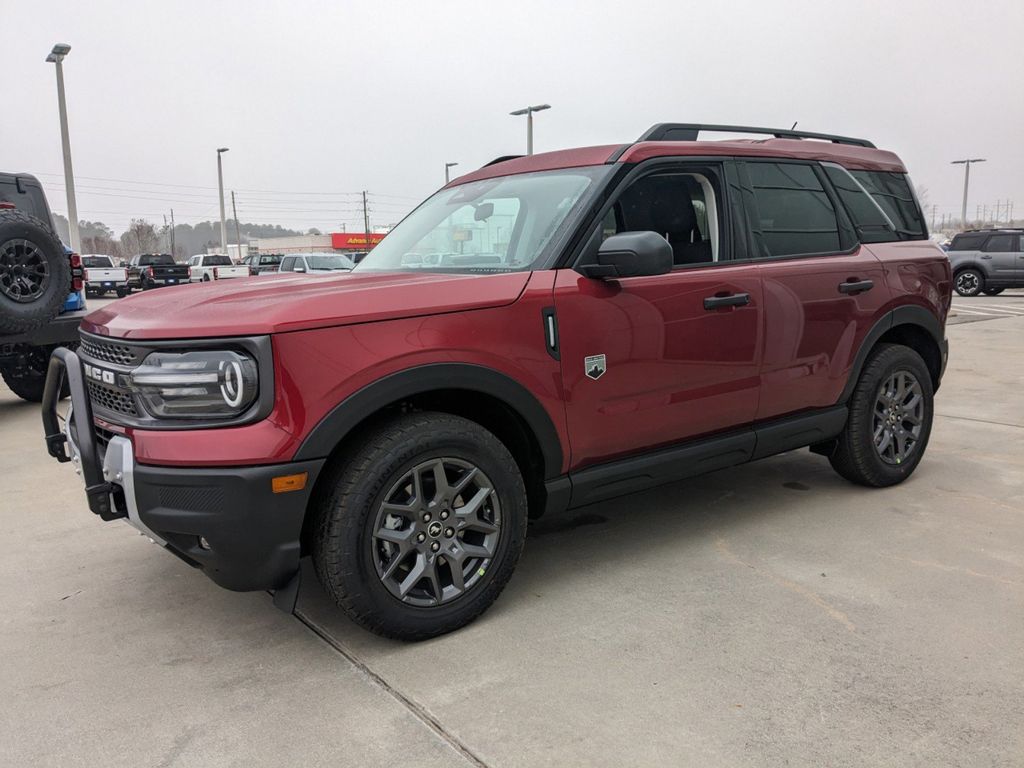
{"points": [[60, 50], [528, 111], [223, 221], [447, 178], [966, 163]]}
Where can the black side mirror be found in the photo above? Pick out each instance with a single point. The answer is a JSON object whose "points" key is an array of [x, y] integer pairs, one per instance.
{"points": [[630, 254]]}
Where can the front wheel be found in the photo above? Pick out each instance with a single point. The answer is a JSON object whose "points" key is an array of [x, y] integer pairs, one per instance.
{"points": [[28, 380], [420, 527], [969, 282], [890, 419]]}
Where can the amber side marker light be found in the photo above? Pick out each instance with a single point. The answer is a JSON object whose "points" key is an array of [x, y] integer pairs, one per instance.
{"points": [[287, 483]]}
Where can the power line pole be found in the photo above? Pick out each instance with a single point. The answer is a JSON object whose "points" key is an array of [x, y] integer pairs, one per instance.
{"points": [[172, 233], [238, 231], [966, 163], [167, 234], [935, 209], [366, 220]]}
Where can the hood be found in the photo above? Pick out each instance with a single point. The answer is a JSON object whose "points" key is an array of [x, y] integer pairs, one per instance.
{"points": [[264, 305]]}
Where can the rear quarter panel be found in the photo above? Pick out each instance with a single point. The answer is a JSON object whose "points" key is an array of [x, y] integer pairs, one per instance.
{"points": [[918, 273]]}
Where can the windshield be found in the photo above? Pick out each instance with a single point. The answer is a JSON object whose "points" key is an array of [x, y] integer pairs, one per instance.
{"points": [[96, 261], [329, 261], [504, 224]]}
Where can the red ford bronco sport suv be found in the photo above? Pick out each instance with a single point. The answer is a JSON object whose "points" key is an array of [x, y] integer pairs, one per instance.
{"points": [[543, 333]]}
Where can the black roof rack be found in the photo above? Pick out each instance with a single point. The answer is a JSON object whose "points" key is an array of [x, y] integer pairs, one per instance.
{"points": [[690, 131]]}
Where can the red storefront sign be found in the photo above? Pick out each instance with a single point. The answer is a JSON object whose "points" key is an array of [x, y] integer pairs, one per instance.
{"points": [[353, 241]]}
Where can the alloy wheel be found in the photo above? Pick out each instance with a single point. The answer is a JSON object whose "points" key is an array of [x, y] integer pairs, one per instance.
{"points": [[967, 283], [23, 271], [436, 532], [898, 417]]}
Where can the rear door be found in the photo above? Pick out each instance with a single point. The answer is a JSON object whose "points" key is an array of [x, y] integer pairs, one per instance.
{"points": [[822, 290], [1001, 254]]}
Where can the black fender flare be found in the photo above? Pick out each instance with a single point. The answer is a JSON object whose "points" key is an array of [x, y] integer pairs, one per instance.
{"points": [[355, 408], [907, 315]]}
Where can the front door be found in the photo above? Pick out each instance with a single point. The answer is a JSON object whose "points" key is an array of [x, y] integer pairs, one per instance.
{"points": [[650, 361]]}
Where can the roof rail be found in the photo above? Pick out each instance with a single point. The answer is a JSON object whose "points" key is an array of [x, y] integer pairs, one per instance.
{"points": [[690, 131]]}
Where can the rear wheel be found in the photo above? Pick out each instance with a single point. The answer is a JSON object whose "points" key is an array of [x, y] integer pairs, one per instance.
{"points": [[890, 419], [420, 528], [969, 282]]}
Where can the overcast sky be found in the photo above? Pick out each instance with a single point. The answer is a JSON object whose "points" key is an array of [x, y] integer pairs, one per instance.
{"points": [[337, 97]]}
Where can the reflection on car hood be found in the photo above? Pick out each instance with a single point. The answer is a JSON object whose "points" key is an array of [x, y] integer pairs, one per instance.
{"points": [[254, 306]]}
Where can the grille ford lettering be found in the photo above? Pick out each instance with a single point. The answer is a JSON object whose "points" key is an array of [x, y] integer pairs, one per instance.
{"points": [[98, 374]]}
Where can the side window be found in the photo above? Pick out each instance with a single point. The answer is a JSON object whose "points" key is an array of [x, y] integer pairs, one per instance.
{"points": [[971, 241], [872, 223], [288, 264], [681, 206], [1001, 244], [794, 214], [892, 192]]}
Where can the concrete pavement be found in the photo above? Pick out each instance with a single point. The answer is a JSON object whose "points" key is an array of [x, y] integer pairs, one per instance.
{"points": [[768, 615]]}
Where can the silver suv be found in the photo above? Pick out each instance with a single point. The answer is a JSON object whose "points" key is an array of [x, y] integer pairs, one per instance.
{"points": [[987, 261]]}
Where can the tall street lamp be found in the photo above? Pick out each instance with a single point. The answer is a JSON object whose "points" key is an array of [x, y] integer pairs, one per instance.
{"points": [[528, 111], [223, 221], [60, 50], [447, 177], [966, 163]]}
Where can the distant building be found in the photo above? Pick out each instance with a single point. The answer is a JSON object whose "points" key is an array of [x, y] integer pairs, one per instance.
{"points": [[336, 242]]}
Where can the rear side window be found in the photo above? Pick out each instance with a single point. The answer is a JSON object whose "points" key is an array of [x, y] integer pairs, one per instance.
{"points": [[873, 225], [968, 242], [794, 213], [892, 192], [1001, 244]]}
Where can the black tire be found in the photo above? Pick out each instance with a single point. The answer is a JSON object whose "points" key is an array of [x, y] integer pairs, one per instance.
{"points": [[969, 282], [856, 456], [122, 292], [35, 276], [206, 278], [993, 291], [27, 381], [349, 503]]}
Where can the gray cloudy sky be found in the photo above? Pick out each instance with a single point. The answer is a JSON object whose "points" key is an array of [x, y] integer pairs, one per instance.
{"points": [[336, 97]]}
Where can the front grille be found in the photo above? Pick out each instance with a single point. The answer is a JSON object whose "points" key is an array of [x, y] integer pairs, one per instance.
{"points": [[111, 399], [119, 354]]}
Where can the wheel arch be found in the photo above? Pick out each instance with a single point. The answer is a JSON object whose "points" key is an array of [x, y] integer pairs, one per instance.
{"points": [[498, 403], [912, 326]]}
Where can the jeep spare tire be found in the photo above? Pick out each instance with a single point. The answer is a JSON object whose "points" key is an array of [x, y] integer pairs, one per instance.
{"points": [[34, 273]]}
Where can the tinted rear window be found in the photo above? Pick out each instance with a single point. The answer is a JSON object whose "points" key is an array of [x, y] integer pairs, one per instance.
{"points": [[271, 260], [216, 261], [971, 241], [96, 261], [156, 260], [795, 215], [1001, 244], [892, 192]]}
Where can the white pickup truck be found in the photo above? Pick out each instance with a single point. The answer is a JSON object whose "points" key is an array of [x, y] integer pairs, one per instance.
{"points": [[215, 266], [102, 276]]}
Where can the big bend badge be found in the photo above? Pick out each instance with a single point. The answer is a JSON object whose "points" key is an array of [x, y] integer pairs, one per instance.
{"points": [[594, 366]]}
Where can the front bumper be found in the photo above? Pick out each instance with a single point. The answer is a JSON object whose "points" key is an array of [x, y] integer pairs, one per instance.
{"points": [[250, 535]]}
